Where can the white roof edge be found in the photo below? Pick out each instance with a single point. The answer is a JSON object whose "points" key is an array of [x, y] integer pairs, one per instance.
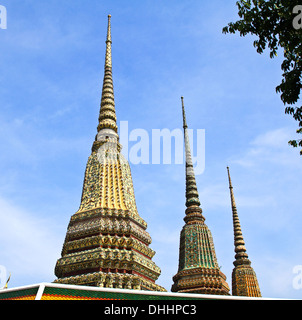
{"points": [[21, 288]]}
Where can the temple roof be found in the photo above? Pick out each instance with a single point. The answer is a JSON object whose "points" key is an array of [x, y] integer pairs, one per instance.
{"points": [[55, 291]]}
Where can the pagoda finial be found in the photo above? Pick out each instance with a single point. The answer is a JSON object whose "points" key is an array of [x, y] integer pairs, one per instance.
{"points": [[108, 61], [234, 208], [107, 117], [184, 114]]}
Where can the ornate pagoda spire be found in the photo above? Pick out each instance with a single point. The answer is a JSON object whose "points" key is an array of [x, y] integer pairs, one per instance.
{"points": [[107, 117], [107, 126], [244, 280], [192, 197], [107, 244], [198, 270]]}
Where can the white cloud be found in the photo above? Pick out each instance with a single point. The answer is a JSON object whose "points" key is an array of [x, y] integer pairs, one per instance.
{"points": [[271, 148], [273, 139], [29, 245], [213, 196], [275, 275], [266, 181]]}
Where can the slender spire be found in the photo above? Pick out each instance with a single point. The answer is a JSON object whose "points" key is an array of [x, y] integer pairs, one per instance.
{"points": [[244, 279], [192, 197], [108, 60], [241, 256], [107, 117], [198, 269], [185, 126]]}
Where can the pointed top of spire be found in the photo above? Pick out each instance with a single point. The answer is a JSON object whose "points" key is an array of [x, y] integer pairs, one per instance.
{"points": [[108, 61], [183, 113], [107, 118], [231, 190], [109, 29], [241, 257]]}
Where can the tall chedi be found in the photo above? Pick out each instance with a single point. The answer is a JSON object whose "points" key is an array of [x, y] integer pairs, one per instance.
{"points": [[198, 270], [107, 244], [244, 280]]}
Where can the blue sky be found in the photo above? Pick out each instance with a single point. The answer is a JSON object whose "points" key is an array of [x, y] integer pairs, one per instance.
{"points": [[51, 62]]}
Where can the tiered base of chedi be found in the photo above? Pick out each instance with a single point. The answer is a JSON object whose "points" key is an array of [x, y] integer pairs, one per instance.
{"points": [[107, 244]]}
